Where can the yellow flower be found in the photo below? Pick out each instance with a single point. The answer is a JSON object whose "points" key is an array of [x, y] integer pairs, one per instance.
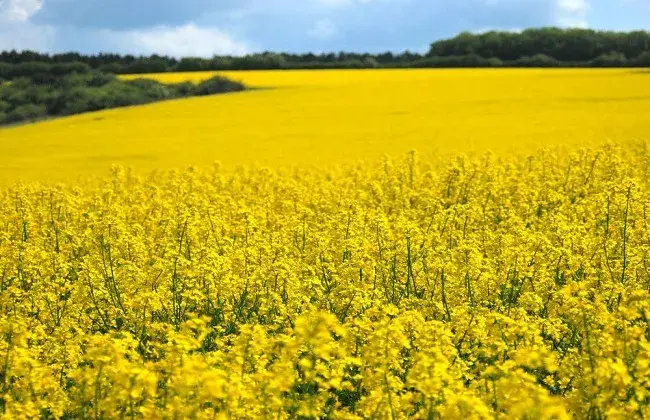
{"points": [[490, 287]]}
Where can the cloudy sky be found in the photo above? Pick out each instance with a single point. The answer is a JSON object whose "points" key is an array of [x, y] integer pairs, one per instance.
{"points": [[207, 27]]}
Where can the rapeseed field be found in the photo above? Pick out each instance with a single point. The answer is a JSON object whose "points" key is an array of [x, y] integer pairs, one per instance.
{"points": [[489, 287], [332, 117], [370, 244]]}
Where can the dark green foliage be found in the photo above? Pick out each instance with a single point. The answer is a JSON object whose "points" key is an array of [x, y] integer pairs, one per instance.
{"points": [[537, 60], [147, 65], [188, 88], [216, 85], [470, 60], [100, 79], [26, 112], [530, 48], [115, 68], [643, 60], [192, 64], [152, 90], [565, 45], [41, 72], [28, 99], [5, 70], [612, 59]]}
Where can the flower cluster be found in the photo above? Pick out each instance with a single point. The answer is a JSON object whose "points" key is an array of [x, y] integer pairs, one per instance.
{"points": [[484, 288]]}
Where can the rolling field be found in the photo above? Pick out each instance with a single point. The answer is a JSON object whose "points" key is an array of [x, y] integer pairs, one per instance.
{"points": [[306, 284], [325, 117]]}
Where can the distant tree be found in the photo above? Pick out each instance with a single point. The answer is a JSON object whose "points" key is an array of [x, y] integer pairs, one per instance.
{"points": [[25, 99], [147, 65], [26, 112], [99, 79], [370, 62], [217, 85], [115, 68], [611, 59], [538, 60], [220, 63], [568, 47], [385, 58], [30, 69], [642, 60], [192, 64], [492, 62], [184, 89], [5, 71], [632, 44], [71, 67], [151, 89]]}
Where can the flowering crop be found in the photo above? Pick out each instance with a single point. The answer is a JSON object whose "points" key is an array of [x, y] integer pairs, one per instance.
{"points": [[323, 117], [481, 288]]}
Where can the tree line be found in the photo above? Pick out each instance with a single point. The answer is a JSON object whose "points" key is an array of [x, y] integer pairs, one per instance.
{"points": [[29, 99], [544, 47]]}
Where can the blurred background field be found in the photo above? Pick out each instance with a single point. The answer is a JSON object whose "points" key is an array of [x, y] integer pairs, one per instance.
{"points": [[339, 116]]}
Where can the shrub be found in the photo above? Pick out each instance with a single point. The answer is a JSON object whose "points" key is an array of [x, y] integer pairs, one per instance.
{"points": [[114, 68], [470, 60], [183, 89], [27, 112], [217, 84], [147, 65], [537, 60], [100, 79], [78, 92], [5, 71], [191, 64], [28, 69], [612, 59], [151, 89], [370, 62], [494, 62], [15, 97], [642, 60], [73, 67]]}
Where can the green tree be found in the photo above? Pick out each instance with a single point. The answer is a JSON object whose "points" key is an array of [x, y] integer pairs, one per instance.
{"points": [[217, 85], [27, 112], [643, 60], [611, 59]]}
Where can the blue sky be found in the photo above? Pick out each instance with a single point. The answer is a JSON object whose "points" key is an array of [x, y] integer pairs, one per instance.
{"points": [[207, 27]]}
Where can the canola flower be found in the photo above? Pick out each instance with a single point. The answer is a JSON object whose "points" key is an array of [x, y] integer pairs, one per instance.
{"points": [[316, 118], [484, 287]]}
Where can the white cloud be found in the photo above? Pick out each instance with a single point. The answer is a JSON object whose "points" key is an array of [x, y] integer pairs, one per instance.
{"points": [[16, 30], [19, 10], [492, 28], [568, 22], [185, 40], [323, 29], [179, 41], [572, 13], [573, 6]]}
